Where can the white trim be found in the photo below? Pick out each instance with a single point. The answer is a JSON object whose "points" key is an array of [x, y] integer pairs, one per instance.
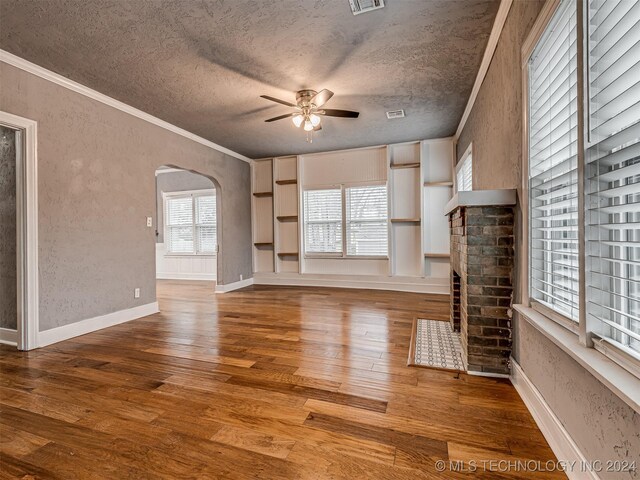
{"points": [[229, 287], [27, 228], [210, 277], [498, 25], [560, 441], [41, 72], [438, 286], [160, 171], [188, 193], [83, 327], [621, 382], [9, 337]]}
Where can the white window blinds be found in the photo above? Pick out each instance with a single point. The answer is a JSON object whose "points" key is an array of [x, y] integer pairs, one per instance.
{"points": [[553, 177], [366, 210], [464, 177], [612, 172], [206, 223], [323, 221], [179, 225], [191, 224]]}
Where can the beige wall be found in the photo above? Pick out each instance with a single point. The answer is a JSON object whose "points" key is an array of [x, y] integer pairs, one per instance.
{"points": [[495, 122], [96, 185], [601, 424]]}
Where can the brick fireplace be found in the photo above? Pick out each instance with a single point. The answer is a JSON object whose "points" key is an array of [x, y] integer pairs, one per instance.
{"points": [[482, 260]]}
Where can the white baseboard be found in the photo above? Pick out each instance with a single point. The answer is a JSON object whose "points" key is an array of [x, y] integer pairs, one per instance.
{"points": [[559, 439], [211, 277], [399, 284], [234, 286], [83, 327], [9, 337]]}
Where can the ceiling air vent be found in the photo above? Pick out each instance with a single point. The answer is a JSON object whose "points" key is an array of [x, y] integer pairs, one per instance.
{"points": [[395, 114], [363, 6]]}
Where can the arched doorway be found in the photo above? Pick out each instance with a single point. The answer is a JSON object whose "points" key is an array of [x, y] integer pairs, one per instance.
{"points": [[187, 219]]}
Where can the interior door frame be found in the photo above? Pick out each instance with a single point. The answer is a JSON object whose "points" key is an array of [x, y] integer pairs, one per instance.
{"points": [[27, 228]]}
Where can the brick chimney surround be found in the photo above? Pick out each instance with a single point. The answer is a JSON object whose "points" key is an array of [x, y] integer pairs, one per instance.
{"points": [[481, 225]]}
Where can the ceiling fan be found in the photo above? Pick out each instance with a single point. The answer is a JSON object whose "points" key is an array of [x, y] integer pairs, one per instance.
{"points": [[308, 111]]}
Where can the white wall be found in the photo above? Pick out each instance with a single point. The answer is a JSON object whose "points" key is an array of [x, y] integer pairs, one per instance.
{"points": [[184, 267]]}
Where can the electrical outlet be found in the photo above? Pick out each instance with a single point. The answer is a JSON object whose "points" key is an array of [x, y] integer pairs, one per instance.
{"points": [[149, 221], [241, 277], [136, 293]]}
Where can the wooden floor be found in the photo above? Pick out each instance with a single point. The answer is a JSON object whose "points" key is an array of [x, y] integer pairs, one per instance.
{"points": [[261, 383]]}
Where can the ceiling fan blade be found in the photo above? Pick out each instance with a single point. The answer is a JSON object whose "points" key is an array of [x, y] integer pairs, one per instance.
{"points": [[277, 100], [280, 117], [338, 113], [319, 127], [321, 97]]}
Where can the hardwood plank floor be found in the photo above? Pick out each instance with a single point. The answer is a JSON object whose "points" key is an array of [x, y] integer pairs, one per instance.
{"points": [[264, 382]]}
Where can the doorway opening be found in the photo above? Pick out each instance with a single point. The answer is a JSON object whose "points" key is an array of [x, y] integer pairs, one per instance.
{"points": [[187, 205], [9, 141], [19, 304]]}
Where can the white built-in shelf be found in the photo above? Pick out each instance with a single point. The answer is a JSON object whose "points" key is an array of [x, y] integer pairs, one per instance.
{"points": [[286, 182], [405, 220], [263, 194], [438, 184], [436, 255], [287, 218], [405, 165]]}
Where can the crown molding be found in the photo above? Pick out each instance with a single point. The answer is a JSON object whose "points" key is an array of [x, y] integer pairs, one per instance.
{"points": [[41, 72], [498, 25]]}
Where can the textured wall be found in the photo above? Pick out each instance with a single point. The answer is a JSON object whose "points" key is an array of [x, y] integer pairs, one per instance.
{"points": [[602, 425], [495, 123], [176, 182], [8, 266], [96, 186]]}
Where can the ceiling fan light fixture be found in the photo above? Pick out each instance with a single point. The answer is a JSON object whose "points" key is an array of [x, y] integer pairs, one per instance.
{"points": [[315, 119], [297, 120], [308, 126]]}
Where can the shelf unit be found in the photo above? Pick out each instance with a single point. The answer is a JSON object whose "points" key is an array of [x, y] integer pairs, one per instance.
{"points": [[437, 158], [285, 225], [404, 209], [405, 220], [262, 212], [420, 182]]}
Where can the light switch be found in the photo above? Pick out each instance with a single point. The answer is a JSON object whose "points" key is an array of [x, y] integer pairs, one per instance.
{"points": [[149, 221]]}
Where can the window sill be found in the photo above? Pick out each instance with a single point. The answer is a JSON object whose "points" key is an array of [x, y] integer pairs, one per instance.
{"points": [[621, 382]]}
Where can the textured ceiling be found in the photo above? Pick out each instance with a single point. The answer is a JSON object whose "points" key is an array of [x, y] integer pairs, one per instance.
{"points": [[202, 64]]}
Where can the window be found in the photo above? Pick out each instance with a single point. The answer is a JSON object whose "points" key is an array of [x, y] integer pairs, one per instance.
{"points": [[367, 220], [553, 174], [346, 221], [190, 225], [612, 173], [464, 172], [323, 221], [601, 167]]}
